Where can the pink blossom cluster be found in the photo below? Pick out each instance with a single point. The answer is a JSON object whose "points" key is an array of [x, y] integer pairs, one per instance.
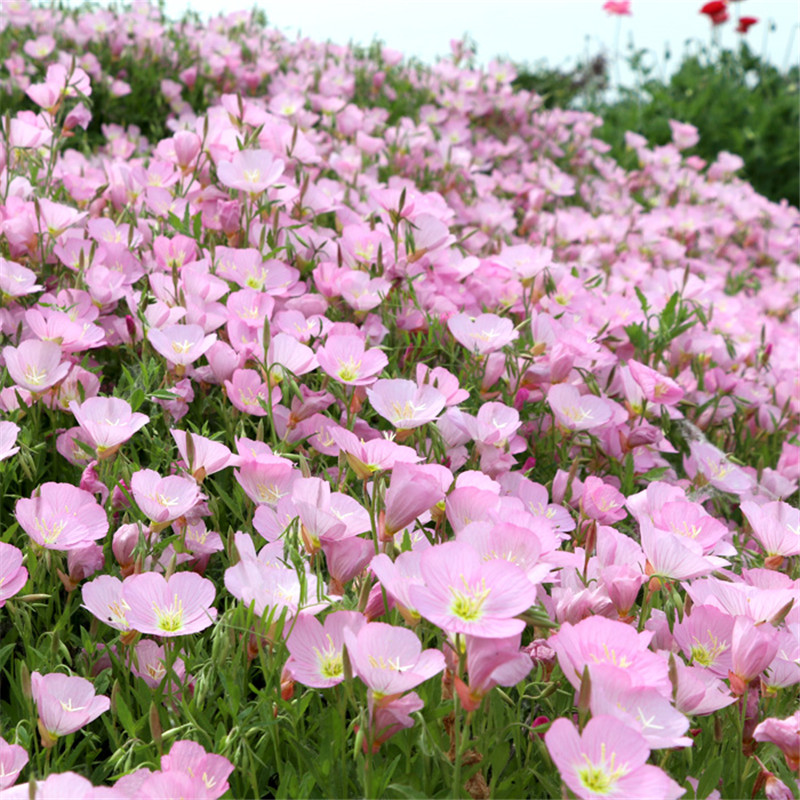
{"points": [[412, 420]]}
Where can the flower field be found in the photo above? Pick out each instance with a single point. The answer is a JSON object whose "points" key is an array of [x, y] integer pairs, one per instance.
{"points": [[369, 431]]}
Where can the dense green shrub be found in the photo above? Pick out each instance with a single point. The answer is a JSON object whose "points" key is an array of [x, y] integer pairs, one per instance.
{"points": [[738, 102]]}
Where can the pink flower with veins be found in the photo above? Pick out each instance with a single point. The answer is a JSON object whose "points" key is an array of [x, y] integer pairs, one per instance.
{"points": [[397, 577], [376, 455], [775, 525], [13, 576], [753, 647], [286, 355], [108, 422], [389, 717], [675, 557], [345, 359], [251, 171], [490, 663], [202, 456], [444, 381], [103, 598], [246, 390], [404, 404], [60, 516], [207, 770], [390, 660], [57, 786], [180, 345], [609, 759], [12, 759], [169, 607], [16, 280], [644, 708], [707, 464], [785, 733], [705, 637], [56, 218], [602, 502], [597, 640], [465, 594], [361, 292], [577, 412], [163, 500], [267, 479], [149, 664], [35, 365], [413, 489], [64, 704], [483, 334], [8, 438], [316, 649], [657, 388]]}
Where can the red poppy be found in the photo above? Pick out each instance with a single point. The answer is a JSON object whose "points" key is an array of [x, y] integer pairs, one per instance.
{"points": [[745, 23], [717, 11]]}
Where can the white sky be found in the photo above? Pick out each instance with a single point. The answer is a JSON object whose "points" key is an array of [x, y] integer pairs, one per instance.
{"points": [[557, 31]]}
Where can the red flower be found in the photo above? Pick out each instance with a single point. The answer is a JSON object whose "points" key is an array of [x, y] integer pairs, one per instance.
{"points": [[745, 23], [717, 11]]}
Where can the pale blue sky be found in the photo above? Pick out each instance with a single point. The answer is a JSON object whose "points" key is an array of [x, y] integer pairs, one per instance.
{"points": [[558, 31]]}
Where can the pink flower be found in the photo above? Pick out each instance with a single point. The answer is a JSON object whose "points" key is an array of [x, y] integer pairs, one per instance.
{"points": [[57, 786], [316, 649], [753, 647], [251, 171], [785, 733], [169, 607], [618, 7], [390, 660], [643, 708], [597, 640], [482, 334], [163, 500], [60, 516], [405, 404], [577, 412], [202, 456], [465, 594], [657, 388], [35, 365], [13, 575], [707, 464], [376, 455], [345, 359], [396, 577], [602, 502], [209, 770], [149, 664], [247, 391], [103, 598], [65, 704], [108, 422], [413, 489], [180, 345], [776, 526], [490, 663], [675, 557], [16, 280], [704, 636], [388, 717], [607, 760], [12, 759]]}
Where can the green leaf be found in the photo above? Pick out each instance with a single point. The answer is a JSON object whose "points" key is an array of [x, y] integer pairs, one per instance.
{"points": [[667, 319], [125, 717], [709, 779]]}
